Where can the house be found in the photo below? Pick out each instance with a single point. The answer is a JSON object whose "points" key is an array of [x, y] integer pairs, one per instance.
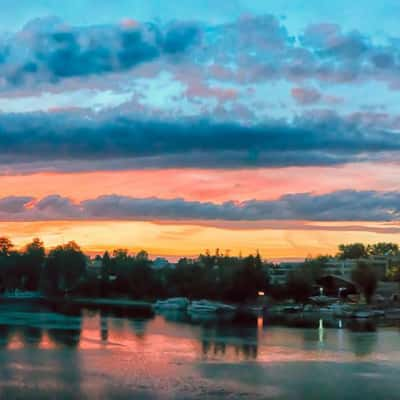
{"points": [[337, 286]]}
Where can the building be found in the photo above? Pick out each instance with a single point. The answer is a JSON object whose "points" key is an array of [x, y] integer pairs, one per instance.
{"points": [[160, 263], [278, 274], [340, 268], [344, 268], [337, 286]]}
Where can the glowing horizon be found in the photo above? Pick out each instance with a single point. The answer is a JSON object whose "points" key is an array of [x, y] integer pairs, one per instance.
{"points": [[188, 240]]}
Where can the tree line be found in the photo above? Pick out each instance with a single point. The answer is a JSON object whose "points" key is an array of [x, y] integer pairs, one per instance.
{"points": [[64, 271]]}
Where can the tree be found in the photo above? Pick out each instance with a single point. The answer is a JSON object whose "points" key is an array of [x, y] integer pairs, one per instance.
{"points": [[383, 249], [65, 267], [247, 279], [9, 265], [105, 274], [32, 261], [394, 273], [314, 267], [299, 285], [352, 251], [6, 246], [366, 278], [142, 279]]}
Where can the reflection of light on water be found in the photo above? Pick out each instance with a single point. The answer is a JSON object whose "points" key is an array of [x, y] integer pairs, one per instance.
{"points": [[260, 322], [340, 334], [321, 331]]}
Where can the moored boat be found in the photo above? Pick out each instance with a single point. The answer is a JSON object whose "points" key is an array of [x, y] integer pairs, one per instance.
{"points": [[175, 303], [205, 306], [21, 295], [363, 314]]}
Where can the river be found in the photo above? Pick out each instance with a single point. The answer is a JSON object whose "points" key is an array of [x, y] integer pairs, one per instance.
{"points": [[89, 354]]}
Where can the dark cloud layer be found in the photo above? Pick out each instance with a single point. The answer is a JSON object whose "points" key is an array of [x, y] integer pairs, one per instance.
{"points": [[314, 139], [336, 206]]}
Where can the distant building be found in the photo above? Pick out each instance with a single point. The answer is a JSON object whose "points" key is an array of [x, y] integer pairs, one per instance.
{"points": [[340, 268], [278, 274], [344, 268], [160, 263], [93, 267]]}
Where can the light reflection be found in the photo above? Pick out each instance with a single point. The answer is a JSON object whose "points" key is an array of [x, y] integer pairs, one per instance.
{"points": [[321, 331], [260, 323]]}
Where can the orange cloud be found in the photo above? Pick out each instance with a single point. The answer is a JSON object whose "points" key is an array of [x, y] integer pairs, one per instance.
{"points": [[204, 185]]}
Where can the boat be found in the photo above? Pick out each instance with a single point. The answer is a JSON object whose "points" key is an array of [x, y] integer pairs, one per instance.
{"points": [[337, 310], [378, 313], [21, 295], [363, 314], [291, 309], [256, 310], [205, 306], [175, 303]]}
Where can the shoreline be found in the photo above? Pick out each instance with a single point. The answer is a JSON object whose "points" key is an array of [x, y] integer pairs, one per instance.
{"points": [[253, 310]]}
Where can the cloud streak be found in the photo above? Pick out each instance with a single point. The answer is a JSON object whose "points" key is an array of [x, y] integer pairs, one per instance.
{"points": [[344, 205]]}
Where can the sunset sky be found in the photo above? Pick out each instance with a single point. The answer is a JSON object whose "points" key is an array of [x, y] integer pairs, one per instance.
{"points": [[180, 126]]}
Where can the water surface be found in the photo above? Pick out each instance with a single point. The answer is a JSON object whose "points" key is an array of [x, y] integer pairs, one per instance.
{"points": [[79, 354]]}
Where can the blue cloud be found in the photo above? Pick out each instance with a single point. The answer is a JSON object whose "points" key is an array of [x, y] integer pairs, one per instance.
{"points": [[314, 139], [47, 51]]}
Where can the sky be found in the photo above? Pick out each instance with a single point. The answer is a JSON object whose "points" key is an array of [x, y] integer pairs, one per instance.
{"points": [[181, 126]]}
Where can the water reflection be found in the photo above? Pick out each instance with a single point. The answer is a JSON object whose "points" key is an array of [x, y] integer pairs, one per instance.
{"points": [[139, 327], [363, 338], [6, 333], [103, 326], [67, 352], [63, 326], [65, 337], [31, 335], [224, 340]]}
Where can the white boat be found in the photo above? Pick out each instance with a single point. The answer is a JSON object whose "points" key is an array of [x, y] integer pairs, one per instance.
{"points": [[369, 314], [363, 314], [336, 309], [175, 303], [205, 306], [17, 294]]}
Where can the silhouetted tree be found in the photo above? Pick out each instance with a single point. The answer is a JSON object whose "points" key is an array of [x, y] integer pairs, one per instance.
{"points": [[65, 267], [6, 246], [383, 249], [366, 278], [300, 285], [352, 251], [32, 261], [314, 267]]}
